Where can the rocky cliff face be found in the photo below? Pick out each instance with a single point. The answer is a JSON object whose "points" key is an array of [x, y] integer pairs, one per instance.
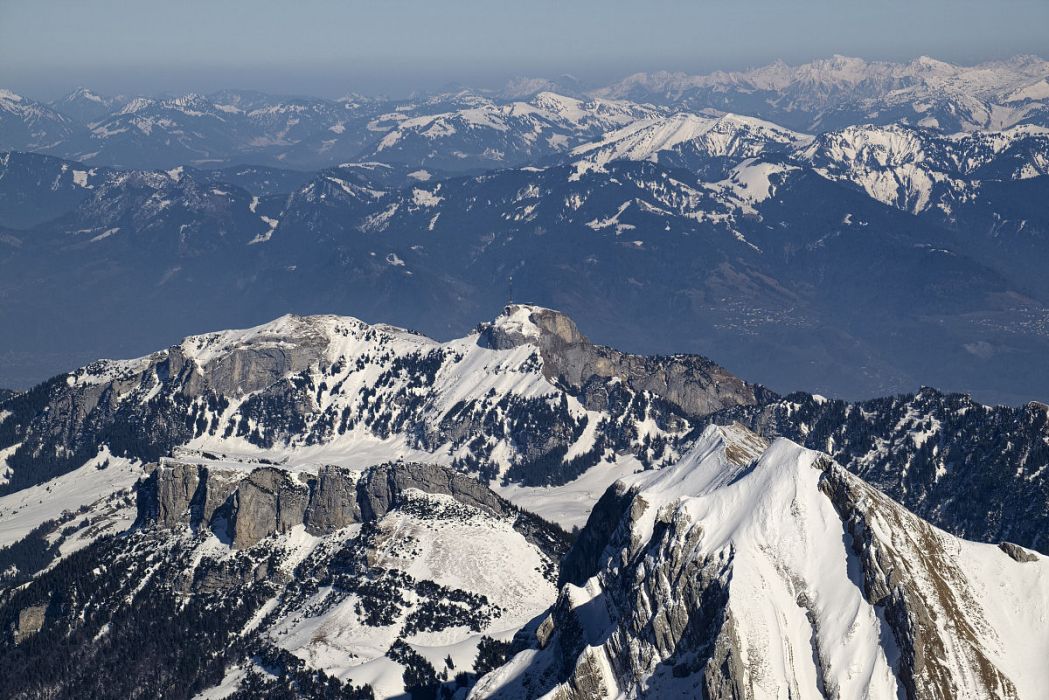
{"points": [[402, 577], [752, 570], [694, 384], [244, 507], [512, 402]]}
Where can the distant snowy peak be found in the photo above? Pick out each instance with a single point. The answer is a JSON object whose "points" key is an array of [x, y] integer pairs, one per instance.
{"points": [[483, 132], [844, 73], [770, 568], [834, 73], [729, 135], [85, 106], [914, 169], [30, 125], [822, 94]]}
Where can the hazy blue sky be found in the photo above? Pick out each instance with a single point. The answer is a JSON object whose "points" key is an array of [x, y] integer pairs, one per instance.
{"points": [[394, 46]]}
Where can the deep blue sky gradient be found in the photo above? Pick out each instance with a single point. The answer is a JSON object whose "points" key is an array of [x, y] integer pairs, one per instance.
{"points": [[332, 47]]}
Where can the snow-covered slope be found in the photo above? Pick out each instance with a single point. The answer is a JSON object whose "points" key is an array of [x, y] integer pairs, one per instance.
{"points": [[907, 167], [980, 472], [765, 571], [692, 136], [834, 92], [479, 132], [914, 169]]}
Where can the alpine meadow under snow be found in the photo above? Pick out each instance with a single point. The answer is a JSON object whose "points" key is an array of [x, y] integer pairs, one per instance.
{"points": [[703, 386]]}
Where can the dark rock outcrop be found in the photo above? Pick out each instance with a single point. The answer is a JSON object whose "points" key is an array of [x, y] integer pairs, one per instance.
{"points": [[1017, 552]]}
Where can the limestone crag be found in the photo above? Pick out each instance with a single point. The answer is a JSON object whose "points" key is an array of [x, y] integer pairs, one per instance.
{"points": [[692, 383], [245, 507]]}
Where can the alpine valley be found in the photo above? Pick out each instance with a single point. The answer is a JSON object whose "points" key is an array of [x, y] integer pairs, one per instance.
{"points": [[770, 425]]}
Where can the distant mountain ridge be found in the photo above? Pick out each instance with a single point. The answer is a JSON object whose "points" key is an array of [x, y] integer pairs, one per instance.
{"points": [[501, 128], [827, 94], [832, 225]]}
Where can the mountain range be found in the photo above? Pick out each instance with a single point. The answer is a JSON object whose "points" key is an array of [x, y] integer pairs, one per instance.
{"points": [[527, 119], [859, 262], [320, 507], [723, 386]]}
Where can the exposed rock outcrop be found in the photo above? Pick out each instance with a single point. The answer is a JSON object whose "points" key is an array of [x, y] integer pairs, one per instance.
{"points": [[30, 621], [381, 486], [249, 506], [693, 383], [268, 501], [1017, 552], [333, 503]]}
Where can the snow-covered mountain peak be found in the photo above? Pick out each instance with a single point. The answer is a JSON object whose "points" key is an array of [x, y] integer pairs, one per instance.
{"points": [[516, 321], [289, 331], [137, 105], [927, 63], [717, 458], [914, 169], [691, 135], [8, 96], [529, 324], [644, 138], [773, 569], [83, 93], [556, 102], [893, 144]]}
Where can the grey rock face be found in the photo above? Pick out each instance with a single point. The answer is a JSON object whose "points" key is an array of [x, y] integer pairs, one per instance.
{"points": [[667, 609], [381, 486], [251, 506], [694, 384], [333, 504], [176, 488], [607, 517], [178, 493], [30, 621], [268, 501]]}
